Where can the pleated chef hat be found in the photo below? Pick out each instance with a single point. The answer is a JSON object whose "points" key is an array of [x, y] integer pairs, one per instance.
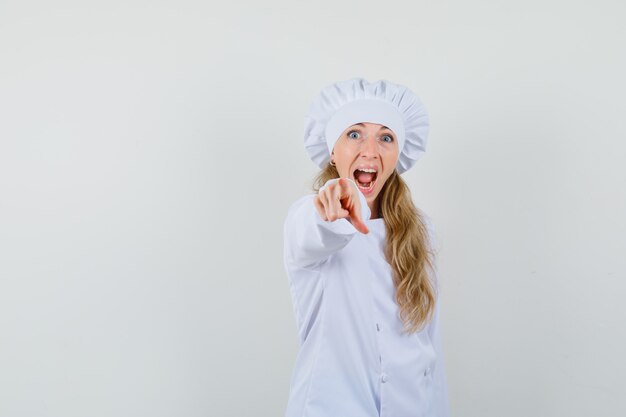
{"points": [[356, 100]]}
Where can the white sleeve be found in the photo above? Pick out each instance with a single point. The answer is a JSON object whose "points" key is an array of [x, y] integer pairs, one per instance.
{"points": [[440, 400], [309, 240], [441, 406]]}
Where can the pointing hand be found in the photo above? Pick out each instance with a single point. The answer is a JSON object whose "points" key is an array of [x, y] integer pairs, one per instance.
{"points": [[340, 200]]}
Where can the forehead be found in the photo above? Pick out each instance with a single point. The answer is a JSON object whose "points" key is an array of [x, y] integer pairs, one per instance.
{"points": [[369, 125]]}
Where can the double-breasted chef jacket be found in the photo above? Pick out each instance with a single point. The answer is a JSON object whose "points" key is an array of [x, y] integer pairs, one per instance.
{"points": [[353, 359]]}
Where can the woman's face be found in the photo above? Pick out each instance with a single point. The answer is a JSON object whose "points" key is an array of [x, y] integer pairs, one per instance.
{"points": [[366, 146]]}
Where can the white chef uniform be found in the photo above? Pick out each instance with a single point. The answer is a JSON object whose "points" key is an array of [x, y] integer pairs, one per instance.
{"points": [[353, 359]]}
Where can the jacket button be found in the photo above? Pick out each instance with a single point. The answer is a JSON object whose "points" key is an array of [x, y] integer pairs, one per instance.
{"points": [[383, 377]]}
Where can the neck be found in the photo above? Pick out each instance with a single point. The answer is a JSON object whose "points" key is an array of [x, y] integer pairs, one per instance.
{"points": [[373, 209]]}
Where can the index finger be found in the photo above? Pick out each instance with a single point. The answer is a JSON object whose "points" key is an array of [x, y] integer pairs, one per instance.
{"points": [[357, 222]]}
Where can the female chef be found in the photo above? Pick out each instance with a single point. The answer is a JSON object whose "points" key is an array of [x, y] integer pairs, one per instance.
{"points": [[360, 262]]}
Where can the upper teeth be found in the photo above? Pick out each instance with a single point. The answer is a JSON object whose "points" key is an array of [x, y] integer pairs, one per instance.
{"points": [[367, 169]]}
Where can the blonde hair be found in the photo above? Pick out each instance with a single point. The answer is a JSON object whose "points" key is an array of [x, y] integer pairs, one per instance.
{"points": [[407, 249]]}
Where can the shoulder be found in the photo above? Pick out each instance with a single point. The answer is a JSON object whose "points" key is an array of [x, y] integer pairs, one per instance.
{"points": [[305, 199], [428, 221], [295, 209], [433, 242], [430, 228]]}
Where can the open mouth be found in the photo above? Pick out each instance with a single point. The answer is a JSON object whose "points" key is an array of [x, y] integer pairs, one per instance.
{"points": [[365, 178]]}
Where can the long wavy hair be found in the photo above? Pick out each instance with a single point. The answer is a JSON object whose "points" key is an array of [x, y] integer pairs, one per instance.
{"points": [[407, 249]]}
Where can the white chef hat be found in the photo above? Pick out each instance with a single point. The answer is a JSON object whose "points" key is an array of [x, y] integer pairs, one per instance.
{"points": [[356, 100]]}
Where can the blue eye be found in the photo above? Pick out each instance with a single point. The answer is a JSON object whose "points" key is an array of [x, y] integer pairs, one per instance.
{"points": [[388, 136], [352, 133]]}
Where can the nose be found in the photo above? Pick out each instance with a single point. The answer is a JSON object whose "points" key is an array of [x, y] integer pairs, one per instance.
{"points": [[369, 147]]}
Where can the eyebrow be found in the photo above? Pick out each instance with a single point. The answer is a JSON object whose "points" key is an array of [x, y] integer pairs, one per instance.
{"points": [[362, 125]]}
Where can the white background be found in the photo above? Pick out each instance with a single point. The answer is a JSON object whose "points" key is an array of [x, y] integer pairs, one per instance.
{"points": [[149, 152]]}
